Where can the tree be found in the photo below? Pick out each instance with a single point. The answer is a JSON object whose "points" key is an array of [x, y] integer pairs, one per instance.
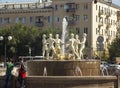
{"points": [[114, 48], [24, 38]]}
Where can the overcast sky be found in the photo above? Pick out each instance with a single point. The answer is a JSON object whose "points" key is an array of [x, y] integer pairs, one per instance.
{"points": [[114, 1]]}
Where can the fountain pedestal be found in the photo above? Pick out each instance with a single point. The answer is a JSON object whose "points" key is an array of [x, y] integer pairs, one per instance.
{"points": [[63, 68]]}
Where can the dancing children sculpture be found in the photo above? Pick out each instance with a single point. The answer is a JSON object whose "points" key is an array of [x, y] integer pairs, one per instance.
{"points": [[53, 46]]}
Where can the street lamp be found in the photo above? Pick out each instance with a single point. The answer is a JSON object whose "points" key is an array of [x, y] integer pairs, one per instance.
{"points": [[5, 38]]}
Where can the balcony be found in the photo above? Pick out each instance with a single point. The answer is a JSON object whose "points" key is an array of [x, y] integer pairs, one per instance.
{"points": [[100, 24], [70, 10], [39, 24], [108, 25], [108, 14], [108, 38], [118, 15], [118, 25], [70, 7], [71, 21], [101, 12]]}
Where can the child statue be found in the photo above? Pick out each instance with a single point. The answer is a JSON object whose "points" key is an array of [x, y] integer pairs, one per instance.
{"points": [[51, 47], [45, 47], [82, 45], [58, 43]]}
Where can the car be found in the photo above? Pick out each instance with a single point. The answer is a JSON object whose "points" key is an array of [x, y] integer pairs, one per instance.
{"points": [[104, 64]]}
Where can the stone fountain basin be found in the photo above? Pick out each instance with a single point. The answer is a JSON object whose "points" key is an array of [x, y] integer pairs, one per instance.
{"points": [[63, 67]]}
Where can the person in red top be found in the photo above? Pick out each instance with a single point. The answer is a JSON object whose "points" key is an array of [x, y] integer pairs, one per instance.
{"points": [[22, 74]]}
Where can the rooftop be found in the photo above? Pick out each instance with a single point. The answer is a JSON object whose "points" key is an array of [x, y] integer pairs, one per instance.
{"points": [[20, 5]]}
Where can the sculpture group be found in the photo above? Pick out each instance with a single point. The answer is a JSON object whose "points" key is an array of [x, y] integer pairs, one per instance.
{"points": [[73, 47]]}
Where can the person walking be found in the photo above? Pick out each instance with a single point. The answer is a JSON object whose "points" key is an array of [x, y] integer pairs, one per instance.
{"points": [[8, 76], [22, 74]]}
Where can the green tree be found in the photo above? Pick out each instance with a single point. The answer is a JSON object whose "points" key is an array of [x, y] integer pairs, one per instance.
{"points": [[114, 48], [24, 38]]}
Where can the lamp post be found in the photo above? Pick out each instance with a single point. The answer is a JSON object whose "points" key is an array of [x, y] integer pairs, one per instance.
{"points": [[5, 38]]}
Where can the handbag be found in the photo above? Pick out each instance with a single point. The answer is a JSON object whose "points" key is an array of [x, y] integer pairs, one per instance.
{"points": [[15, 72]]}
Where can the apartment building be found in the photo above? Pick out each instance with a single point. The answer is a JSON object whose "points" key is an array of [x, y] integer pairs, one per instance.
{"points": [[99, 20]]}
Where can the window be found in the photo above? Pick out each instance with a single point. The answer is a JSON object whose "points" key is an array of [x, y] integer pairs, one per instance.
{"points": [[31, 20], [77, 6], [77, 17], [96, 7], [111, 33], [86, 6], [86, 30], [106, 32], [78, 30], [101, 20], [16, 20], [9, 20], [49, 19], [23, 20], [57, 19], [114, 33], [102, 31], [105, 20], [102, 8], [96, 18], [105, 10], [57, 7], [114, 22], [65, 7], [85, 17], [2, 20], [111, 22], [111, 11], [96, 31]]}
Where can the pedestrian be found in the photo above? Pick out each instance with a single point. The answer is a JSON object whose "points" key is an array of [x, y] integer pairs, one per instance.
{"points": [[22, 74], [8, 76]]}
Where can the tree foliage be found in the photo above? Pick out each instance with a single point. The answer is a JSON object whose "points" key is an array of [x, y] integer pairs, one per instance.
{"points": [[114, 48], [22, 38], [25, 38]]}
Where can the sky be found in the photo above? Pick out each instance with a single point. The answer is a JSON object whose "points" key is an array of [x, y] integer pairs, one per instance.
{"points": [[117, 2], [114, 1]]}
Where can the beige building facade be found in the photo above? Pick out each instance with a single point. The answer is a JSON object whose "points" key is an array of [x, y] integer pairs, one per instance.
{"points": [[99, 21]]}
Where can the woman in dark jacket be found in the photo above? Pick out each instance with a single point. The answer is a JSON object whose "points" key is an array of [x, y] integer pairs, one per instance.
{"points": [[22, 74]]}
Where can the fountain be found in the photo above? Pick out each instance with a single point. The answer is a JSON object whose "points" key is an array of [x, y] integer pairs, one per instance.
{"points": [[64, 33], [45, 71], [66, 59]]}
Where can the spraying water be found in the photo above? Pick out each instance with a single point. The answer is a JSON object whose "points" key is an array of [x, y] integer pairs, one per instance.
{"points": [[45, 71], [104, 71], [64, 33]]}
